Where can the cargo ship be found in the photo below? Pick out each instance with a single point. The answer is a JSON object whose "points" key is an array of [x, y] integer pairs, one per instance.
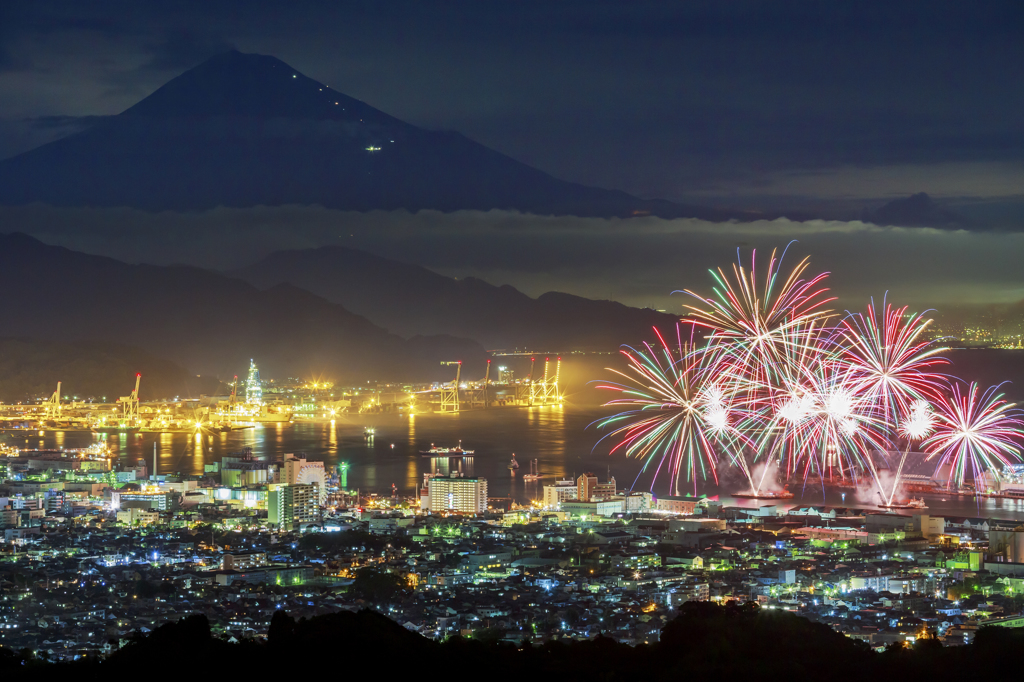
{"points": [[457, 451], [912, 503]]}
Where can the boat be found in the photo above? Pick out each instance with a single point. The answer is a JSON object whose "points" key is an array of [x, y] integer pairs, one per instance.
{"points": [[513, 465], [1011, 494], [912, 503], [457, 451], [534, 474], [116, 429], [369, 432]]}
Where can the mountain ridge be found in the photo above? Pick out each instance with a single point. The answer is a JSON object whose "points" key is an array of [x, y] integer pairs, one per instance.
{"points": [[410, 299], [247, 130], [206, 321]]}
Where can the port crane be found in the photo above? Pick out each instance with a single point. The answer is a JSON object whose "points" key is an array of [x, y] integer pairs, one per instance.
{"points": [[479, 397], [130, 405], [450, 393], [545, 391], [549, 389], [53, 406], [487, 384]]}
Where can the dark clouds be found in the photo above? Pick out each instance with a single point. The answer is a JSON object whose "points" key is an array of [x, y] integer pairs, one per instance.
{"points": [[181, 49], [721, 101]]}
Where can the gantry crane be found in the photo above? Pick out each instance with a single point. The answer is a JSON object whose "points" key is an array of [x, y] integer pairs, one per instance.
{"points": [[53, 406], [487, 384], [550, 393], [450, 393], [130, 406]]}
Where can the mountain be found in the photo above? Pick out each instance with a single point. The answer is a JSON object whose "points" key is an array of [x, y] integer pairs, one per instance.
{"points": [[917, 210], [246, 130], [408, 299], [205, 321], [31, 368]]}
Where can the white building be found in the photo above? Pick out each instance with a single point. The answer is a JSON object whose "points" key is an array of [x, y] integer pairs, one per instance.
{"points": [[609, 507], [291, 504], [137, 517], [555, 495], [298, 471], [457, 494]]}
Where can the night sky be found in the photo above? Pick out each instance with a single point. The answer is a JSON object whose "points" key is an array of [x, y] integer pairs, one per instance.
{"points": [[828, 109]]}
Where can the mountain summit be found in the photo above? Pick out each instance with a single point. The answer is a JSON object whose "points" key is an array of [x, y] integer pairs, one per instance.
{"points": [[253, 86], [246, 130], [917, 210]]}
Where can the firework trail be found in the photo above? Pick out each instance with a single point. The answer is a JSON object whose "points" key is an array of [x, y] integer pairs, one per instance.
{"points": [[916, 426], [772, 375], [974, 432], [821, 423], [891, 360], [677, 418], [751, 320]]}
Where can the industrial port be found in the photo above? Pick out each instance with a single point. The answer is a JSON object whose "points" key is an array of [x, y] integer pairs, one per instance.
{"points": [[254, 401]]}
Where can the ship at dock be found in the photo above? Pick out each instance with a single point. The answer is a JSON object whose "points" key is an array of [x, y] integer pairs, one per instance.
{"points": [[783, 494], [912, 503], [457, 451], [534, 474]]}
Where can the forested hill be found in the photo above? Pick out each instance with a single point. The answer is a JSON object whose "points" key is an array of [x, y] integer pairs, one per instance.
{"points": [[704, 642]]}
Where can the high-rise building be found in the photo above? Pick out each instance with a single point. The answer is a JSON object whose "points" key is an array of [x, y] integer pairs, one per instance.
{"points": [[292, 504], [588, 488], [561, 491], [298, 470], [457, 494], [585, 486]]}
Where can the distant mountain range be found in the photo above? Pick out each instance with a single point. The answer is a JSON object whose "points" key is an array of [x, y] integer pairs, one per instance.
{"points": [[918, 210], [247, 130], [410, 300], [205, 321], [171, 317], [30, 368]]}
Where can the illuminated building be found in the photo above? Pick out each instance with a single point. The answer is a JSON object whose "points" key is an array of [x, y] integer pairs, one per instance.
{"points": [[676, 505], [137, 517], [243, 561], [561, 491], [274, 574], [588, 508], [457, 494], [589, 488], [161, 501], [289, 505], [246, 470], [297, 470], [585, 486], [604, 491]]}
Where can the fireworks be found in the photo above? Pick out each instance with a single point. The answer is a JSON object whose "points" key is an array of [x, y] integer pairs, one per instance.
{"points": [[675, 416], [753, 322], [973, 432], [891, 359], [773, 379], [919, 423], [820, 423]]}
